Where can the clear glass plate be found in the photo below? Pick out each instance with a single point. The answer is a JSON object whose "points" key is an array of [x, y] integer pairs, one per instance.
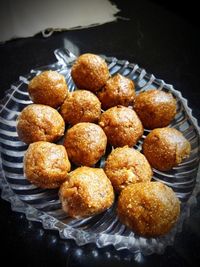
{"points": [[44, 205]]}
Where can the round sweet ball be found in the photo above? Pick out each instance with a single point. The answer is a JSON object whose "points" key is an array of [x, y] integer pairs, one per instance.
{"points": [[40, 123], [85, 143], [46, 164], [81, 106], [48, 88], [118, 90], [125, 166], [150, 209], [86, 192], [165, 148], [121, 126], [90, 72], [155, 108]]}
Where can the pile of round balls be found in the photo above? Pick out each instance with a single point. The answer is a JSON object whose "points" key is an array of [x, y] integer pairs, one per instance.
{"points": [[147, 207]]}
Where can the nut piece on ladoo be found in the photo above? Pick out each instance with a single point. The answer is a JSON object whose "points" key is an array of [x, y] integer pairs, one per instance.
{"points": [[165, 148], [118, 90], [90, 72], [155, 108], [81, 106], [121, 126], [46, 164], [86, 192], [150, 209], [48, 88], [125, 166], [40, 123], [85, 143]]}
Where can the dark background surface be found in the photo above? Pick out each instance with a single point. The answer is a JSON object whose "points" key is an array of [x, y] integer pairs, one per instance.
{"points": [[162, 38]]}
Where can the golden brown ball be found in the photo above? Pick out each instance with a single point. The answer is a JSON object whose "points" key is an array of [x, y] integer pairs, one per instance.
{"points": [[90, 72], [118, 90], [46, 164], [48, 88], [125, 166], [86, 192], [121, 125], [81, 106], [85, 143], [155, 108], [149, 208], [165, 148], [40, 123]]}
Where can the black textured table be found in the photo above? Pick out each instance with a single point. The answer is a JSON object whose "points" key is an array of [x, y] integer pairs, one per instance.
{"points": [[163, 40]]}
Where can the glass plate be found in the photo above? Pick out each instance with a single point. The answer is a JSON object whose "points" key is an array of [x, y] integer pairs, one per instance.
{"points": [[44, 205]]}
